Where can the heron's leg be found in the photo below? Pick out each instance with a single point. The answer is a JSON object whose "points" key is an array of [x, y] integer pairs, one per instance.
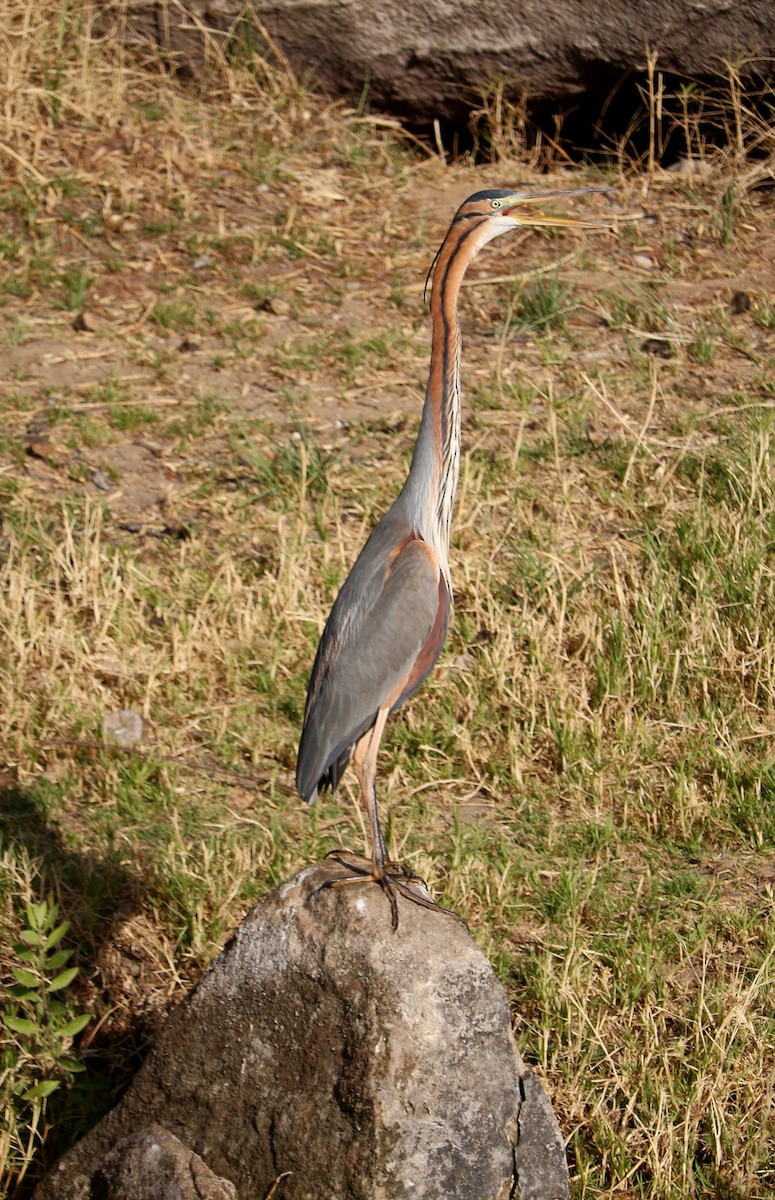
{"points": [[365, 763], [393, 878]]}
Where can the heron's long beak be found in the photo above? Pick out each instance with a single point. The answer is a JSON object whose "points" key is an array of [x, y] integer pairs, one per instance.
{"points": [[540, 218]]}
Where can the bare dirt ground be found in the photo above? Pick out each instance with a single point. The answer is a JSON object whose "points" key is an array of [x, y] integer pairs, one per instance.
{"points": [[270, 354]]}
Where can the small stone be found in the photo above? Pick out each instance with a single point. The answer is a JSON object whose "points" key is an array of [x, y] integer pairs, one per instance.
{"points": [[38, 426], [124, 728], [691, 166], [740, 303], [55, 456], [203, 262], [600, 354], [657, 347], [644, 261], [102, 481], [83, 322], [274, 304]]}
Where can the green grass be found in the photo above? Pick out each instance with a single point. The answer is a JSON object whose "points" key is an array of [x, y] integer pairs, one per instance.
{"points": [[173, 314], [764, 314], [704, 346], [611, 710], [544, 305], [587, 776]]}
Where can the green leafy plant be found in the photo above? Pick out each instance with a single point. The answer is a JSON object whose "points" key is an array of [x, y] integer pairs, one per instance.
{"points": [[41, 1021]]}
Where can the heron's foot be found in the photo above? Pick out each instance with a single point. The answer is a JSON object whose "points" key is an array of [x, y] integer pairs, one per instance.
{"points": [[360, 865], [411, 887], [357, 863], [394, 879]]}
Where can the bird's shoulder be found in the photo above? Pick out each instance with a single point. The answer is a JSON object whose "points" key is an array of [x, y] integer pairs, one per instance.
{"points": [[367, 574]]}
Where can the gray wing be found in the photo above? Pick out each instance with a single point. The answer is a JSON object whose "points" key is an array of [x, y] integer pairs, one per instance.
{"points": [[380, 623]]}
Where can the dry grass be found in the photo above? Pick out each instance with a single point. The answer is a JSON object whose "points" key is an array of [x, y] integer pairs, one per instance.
{"points": [[587, 776]]}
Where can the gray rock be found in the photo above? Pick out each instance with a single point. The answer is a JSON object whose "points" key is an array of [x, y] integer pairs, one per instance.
{"points": [[371, 1065], [542, 1171], [430, 58], [153, 1165]]}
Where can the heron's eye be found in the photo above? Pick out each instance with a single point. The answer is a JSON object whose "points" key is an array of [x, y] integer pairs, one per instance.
{"points": [[495, 203]]}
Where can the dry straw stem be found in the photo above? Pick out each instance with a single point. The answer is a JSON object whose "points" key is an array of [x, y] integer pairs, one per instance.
{"points": [[723, 126], [73, 67]]}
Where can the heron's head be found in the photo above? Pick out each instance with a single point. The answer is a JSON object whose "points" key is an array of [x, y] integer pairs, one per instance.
{"points": [[502, 209], [486, 215]]}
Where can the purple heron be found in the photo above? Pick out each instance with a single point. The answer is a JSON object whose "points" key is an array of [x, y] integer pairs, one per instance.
{"points": [[389, 621]]}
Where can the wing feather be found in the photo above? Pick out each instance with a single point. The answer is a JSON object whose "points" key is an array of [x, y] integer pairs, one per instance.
{"points": [[382, 619]]}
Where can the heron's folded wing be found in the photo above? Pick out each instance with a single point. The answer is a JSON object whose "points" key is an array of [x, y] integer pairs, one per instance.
{"points": [[364, 662]]}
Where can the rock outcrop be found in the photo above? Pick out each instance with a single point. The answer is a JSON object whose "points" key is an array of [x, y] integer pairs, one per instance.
{"points": [[431, 58], [367, 1064]]}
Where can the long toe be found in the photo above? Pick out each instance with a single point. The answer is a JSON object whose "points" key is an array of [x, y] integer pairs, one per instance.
{"points": [[409, 890], [389, 888], [352, 861], [394, 879]]}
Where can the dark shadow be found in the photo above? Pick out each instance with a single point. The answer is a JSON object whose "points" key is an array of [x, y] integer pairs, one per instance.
{"points": [[96, 893], [609, 114]]}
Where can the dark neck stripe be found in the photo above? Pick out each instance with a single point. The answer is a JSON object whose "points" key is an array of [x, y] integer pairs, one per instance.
{"points": [[441, 397]]}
